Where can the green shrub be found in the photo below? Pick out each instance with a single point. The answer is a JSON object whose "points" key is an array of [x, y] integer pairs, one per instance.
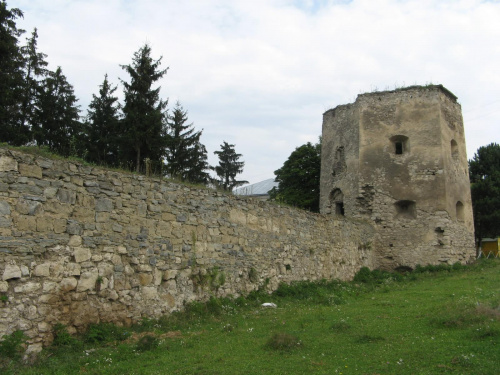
{"points": [[62, 338], [13, 346], [376, 277], [104, 332], [253, 276]]}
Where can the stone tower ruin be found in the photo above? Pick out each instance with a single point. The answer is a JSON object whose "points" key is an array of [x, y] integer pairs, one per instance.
{"points": [[398, 159]]}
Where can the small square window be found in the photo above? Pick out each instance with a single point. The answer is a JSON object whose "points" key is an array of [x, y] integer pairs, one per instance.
{"points": [[399, 148]]}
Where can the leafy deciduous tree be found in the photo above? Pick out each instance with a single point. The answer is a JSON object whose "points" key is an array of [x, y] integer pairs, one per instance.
{"points": [[229, 166], [143, 125], [298, 178], [484, 171]]}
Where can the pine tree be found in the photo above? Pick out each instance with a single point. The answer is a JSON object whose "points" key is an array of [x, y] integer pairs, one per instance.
{"points": [[143, 132], [56, 122], [229, 167], [11, 77], [186, 156], [102, 126], [34, 70]]}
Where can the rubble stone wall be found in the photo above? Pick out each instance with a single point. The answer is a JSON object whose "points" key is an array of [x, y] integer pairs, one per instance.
{"points": [[80, 245]]}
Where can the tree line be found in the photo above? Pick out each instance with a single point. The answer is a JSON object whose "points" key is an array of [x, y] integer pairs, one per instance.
{"points": [[38, 107]]}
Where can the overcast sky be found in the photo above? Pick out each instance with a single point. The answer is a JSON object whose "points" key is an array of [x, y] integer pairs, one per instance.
{"points": [[260, 73]]}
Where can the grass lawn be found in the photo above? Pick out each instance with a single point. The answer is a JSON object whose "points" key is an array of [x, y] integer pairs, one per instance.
{"points": [[444, 322]]}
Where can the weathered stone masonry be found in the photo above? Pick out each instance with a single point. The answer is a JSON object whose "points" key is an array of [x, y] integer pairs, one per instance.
{"points": [[398, 159], [80, 244]]}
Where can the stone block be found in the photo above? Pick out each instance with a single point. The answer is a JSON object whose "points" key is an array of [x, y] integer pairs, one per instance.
{"points": [[83, 214], [66, 196], [4, 208], [28, 207], [82, 254], [102, 217], [87, 281], [73, 227], [50, 192], [44, 224], [11, 271], [122, 250], [117, 228], [42, 270], [169, 274], [5, 222], [68, 283], [145, 278], [75, 241], [149, 292], [8, 164], [4, 286], [28, 170], [48, 298], [103, 205], [59, 226], [50, 287], [29, 287], [25, 223]]}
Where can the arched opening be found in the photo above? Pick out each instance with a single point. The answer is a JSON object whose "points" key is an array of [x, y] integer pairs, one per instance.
{"points": [[460, 211], [454, 149], [337, 202], [400, 144], [406, 209]]}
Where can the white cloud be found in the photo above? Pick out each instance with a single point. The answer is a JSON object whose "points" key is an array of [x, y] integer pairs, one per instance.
{"points": [[260, 73]]}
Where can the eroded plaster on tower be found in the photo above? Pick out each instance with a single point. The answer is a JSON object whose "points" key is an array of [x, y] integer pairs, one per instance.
{"points": [[398, 159]]}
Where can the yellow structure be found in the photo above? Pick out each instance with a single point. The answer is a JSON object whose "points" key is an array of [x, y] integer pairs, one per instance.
{"points": [[490, 246]]}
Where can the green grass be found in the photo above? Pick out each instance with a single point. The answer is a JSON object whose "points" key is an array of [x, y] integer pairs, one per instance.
{"points": [[444, 321]]}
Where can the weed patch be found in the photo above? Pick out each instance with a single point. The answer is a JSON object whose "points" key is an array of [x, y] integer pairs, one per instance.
{"points": [[340, 327], [63, 339], [283, 342], [105, 333], [368, 339], [13, 346], [461, 316], [147, 343]]}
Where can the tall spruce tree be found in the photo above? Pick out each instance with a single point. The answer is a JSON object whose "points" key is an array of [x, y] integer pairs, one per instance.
{"points": [[143, 130], [11, 77], [102, 126], [186, 156], [56, 123], [229, 166], [34, 70]]}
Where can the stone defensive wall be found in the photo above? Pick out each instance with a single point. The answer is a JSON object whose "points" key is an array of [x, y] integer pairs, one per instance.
{"points": [[82, 244]]}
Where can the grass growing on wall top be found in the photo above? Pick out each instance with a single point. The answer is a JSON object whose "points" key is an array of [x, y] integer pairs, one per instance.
{"points": [[434, 321]]}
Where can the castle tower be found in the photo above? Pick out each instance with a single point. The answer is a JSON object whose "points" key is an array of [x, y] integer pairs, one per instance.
{"points": [[398, 159]]}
